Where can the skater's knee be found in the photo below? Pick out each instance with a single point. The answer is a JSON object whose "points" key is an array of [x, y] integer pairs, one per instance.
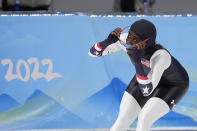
{"points": [[144, 117]]}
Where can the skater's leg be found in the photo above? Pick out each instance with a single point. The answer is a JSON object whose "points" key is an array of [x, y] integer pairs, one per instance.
{"points": [[129, 109], [154, 109]]}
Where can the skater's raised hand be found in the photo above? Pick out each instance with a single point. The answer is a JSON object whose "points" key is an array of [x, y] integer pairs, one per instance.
{"points": [[116, 32]]}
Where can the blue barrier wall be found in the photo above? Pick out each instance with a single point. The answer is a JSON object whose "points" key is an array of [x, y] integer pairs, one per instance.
{"points": [[48, 81]]}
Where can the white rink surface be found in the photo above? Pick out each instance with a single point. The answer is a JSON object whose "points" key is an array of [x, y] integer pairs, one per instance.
{"points": [[131, 129]]}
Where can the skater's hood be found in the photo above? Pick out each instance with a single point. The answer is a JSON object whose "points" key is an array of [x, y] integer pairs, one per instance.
{"points": [[145, 29]]}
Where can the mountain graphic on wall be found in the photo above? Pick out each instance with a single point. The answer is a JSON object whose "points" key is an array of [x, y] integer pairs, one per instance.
{"points": [[7, 102], [188, 105], [175, 119], [102, 109], [40, 112]]}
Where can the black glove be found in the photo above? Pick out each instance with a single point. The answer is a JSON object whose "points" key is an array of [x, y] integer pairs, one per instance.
{"points": [[110, 40]]}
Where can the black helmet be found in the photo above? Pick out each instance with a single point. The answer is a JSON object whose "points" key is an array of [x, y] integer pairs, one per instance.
{"points": [[145, 29]]}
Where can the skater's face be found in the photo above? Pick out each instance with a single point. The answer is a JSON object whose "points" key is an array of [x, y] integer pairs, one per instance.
{"points": [[132, 39]]}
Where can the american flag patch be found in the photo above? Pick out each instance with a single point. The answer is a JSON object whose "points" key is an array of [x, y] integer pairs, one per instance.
{"points": [[145, 62]]}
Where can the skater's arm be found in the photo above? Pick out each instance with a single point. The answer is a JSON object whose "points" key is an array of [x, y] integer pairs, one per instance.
{"points": [[108, 46], [159, 62]]}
